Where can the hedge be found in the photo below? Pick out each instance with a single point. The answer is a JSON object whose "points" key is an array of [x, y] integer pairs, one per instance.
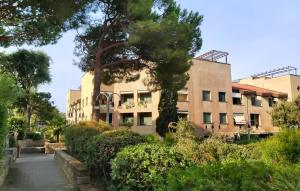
{"points": [[215, 150], [234, 176], [283, 147], [144, 167], [3, 129], [77, 137], [102, 148]]}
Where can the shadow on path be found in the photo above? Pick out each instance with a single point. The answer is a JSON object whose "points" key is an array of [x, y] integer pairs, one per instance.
{"points": [[36, 172]]}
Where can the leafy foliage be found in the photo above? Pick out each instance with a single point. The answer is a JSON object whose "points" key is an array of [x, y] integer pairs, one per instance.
{"points": [[144, 166], [215, 150], [3, 128], [102, 148], [38, 22], [287, 114], [167, 111], [9, 91], [34, 136], [29, 69], [77, 138], [235, 176], [282, 147]]}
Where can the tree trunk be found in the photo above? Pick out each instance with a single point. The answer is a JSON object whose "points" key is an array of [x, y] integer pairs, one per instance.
{"points": [[28, 116], [96, 92]]}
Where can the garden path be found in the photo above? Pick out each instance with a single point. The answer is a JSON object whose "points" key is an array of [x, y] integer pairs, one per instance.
{"points": [[36, 172]]}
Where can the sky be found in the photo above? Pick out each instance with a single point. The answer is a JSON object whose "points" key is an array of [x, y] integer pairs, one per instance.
{"points": [[259, 35]]}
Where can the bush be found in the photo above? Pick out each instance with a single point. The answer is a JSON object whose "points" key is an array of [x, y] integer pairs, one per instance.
{"points": [[283, 147], [102, 148], [3, 128], [17, 125], [36, 136], [236, 176], [144, 166], [12, 141], [215, 150], [77, 137]]}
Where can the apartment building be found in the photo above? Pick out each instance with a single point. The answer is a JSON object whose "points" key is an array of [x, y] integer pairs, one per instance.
{"points": [[210, 100], [282, 79]]}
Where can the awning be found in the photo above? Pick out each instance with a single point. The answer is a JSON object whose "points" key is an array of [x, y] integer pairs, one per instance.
{"points": [[239, 119], [143, 91], [126, 92], [182, 112], [236, 95]]}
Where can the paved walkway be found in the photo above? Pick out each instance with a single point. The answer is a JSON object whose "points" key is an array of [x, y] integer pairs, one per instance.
{"points": [[35, 172]]}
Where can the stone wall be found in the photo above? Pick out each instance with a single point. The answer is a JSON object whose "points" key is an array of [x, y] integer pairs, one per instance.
{"points": [[75, 170], [50, 148], [6, 162]]}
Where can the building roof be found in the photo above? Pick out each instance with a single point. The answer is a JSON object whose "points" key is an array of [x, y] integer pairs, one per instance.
{"points": [[249, 89]]}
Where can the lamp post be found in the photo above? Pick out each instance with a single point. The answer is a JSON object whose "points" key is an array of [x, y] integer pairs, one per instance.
{"points": [[108, 96]]}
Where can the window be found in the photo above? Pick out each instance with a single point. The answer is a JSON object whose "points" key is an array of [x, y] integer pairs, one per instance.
{"points": [[145, 97], [183, 115], [207, 118], [206, 95], [182, 97], [222, 97], [86, 101], [272, 101], [236, 97], [239, 119], [127, 98], [145, 119], [255, 100], [254, 119], [223, 118], [127, 118]]}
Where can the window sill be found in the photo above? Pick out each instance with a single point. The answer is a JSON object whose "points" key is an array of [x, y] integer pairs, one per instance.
{"points": [[207, 100], [182, 101]]}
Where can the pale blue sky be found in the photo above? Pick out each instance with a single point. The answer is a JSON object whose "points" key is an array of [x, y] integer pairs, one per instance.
{"points": [[258, 34]]}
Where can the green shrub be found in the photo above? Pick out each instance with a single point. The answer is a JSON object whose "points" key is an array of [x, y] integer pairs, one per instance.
{"points": [[34, 136], [144, 166], [215, 150], [12, 141], [77, 137], [3, 128], [236, 176], [17, 125], [282, 147], [287, 178], [102, 148]]}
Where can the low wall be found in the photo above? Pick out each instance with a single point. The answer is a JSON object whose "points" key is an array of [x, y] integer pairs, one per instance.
{"points": [[31, 143], [75, 170], [50, 148], [6, 162]]}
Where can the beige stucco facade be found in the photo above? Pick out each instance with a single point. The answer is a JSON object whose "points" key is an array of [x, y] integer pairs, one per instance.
{"points": [[287, 84], [206, 101]]}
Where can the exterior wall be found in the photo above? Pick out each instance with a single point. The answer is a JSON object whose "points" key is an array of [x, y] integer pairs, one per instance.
{"points": [[286, 84], [204, 75], [265, 121], [135, 88], [215, 77], [86, 96], [72, 97]]}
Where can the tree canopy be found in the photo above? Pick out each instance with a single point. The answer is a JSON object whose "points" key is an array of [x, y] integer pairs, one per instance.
{"points": [[29, 69], [287, 114], [38, 22], [133, 35]]}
